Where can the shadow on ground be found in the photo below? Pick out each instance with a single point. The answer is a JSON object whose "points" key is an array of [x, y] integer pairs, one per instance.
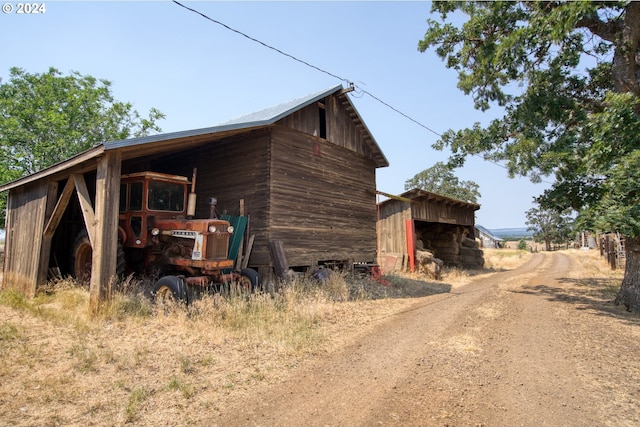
{"points": [[594, 294], [400, 287]]}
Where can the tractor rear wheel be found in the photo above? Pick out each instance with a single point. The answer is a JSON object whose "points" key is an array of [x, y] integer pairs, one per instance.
{"points": [[82, 259], [169, 290]]}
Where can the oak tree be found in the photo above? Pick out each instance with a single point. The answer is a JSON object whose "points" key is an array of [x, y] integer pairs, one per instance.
{"points": [[46, 118], [440, 179], [567, 77]]}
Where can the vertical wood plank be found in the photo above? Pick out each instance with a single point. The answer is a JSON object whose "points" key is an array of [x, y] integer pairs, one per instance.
{"points": [[45, 249], [25, 222], [105, 245]]}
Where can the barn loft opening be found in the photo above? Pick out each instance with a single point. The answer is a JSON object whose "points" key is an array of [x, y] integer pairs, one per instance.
{"points": [[322, 115]]}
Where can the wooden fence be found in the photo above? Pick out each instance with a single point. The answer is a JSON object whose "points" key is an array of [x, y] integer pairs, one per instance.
{"points": [[612, 249]]}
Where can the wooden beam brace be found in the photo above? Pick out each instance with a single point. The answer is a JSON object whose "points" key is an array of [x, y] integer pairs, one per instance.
{"points": [[58, 211], [85, 206]]}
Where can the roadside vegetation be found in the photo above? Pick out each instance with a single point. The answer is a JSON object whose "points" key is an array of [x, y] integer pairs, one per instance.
{"points": [[135, 363]]}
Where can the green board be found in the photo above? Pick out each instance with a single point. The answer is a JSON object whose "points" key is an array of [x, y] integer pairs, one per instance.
{"points": [[239, 224]]}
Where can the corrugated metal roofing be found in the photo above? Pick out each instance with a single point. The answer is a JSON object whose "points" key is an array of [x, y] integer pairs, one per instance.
{"points": [[273, 114], [264, 117]]}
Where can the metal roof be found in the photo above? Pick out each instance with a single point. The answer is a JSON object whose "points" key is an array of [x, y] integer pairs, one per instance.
{"points": [[273, 114], [265, 117], [416, 193], [261, 118]]}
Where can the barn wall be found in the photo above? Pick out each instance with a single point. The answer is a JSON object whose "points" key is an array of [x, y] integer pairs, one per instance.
{"points": [[435, 210], [26, 212], [340, 126], [342, 130], [322, 200], [392, 239], [306, 120], [230, 169]]}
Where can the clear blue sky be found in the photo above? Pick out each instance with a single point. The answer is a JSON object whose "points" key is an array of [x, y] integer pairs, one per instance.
{"points": [[201, 74]]}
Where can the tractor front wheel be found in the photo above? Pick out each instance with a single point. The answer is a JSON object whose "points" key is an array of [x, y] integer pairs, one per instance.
{"points": [[250, 280], [170, 289]]}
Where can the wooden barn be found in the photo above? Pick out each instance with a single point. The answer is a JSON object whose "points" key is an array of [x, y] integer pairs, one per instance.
{"points": [[305, 172], [418, 220]]}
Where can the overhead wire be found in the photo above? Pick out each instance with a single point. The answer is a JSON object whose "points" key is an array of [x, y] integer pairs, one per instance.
{"points": [[349, 82]]}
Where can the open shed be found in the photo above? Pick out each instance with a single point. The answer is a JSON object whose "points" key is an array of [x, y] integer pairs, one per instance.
{"points": [[305, 171], [420, 220]]}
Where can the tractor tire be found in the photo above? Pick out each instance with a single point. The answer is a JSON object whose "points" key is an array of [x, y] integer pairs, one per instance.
{"points": [[170, 290], [82, 258], [250, 280]]}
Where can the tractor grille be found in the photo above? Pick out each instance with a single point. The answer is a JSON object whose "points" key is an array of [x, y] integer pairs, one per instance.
{"points": [[217, 245]]}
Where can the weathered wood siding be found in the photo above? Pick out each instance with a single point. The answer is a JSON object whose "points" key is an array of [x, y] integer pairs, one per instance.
{"points": [[26, 212], [434, 210], [322, 200], [392, 239], [343, 130], [315, 196], [340, 124]]}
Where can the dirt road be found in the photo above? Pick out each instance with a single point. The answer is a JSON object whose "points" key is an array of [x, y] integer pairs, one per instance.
{"points": [[535, 346]]}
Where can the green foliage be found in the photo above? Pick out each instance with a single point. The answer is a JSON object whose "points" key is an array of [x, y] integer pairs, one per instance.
{"points": [[440, 179], [522, 245], [47, 118], [566, 76], [549, 226]]}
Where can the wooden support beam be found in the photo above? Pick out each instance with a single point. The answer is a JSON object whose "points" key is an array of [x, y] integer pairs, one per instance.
{"points": [[105, 245], [85, 206], [279, 259], [247, 253], [58, 210]]}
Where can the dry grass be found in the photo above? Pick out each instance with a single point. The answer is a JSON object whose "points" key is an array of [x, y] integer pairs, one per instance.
{"points": [[134, 364]]}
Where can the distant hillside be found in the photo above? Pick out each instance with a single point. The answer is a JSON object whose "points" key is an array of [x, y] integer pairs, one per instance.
{"points": [[511, 233]]}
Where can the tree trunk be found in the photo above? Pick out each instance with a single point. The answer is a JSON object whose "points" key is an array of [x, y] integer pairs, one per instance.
{"points": [[629, 294]]}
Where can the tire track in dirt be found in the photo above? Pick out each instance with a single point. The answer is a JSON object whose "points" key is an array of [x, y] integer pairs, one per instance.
{"points": [[360, 385], [527, 347]]}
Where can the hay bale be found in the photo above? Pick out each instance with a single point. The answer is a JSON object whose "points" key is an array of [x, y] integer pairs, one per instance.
{"points": [[427, 263]]}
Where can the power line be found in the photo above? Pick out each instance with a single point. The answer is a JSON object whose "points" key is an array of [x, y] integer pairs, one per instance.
{"points": [[261, 42], [349, 82]]}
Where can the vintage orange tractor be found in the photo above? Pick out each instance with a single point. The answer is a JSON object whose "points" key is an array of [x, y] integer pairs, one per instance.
{"points": [[158, 236]]}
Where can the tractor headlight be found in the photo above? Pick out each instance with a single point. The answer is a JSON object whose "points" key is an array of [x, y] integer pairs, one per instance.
{"points": [[230, 229], [155, 231], [212, 229]]}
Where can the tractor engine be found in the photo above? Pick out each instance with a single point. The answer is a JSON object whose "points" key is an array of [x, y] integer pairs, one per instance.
{"points": [[195, 246]]}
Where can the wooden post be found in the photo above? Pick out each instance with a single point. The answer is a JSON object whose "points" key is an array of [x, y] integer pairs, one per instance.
{"points": [[410, 232], [105, 242]]}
